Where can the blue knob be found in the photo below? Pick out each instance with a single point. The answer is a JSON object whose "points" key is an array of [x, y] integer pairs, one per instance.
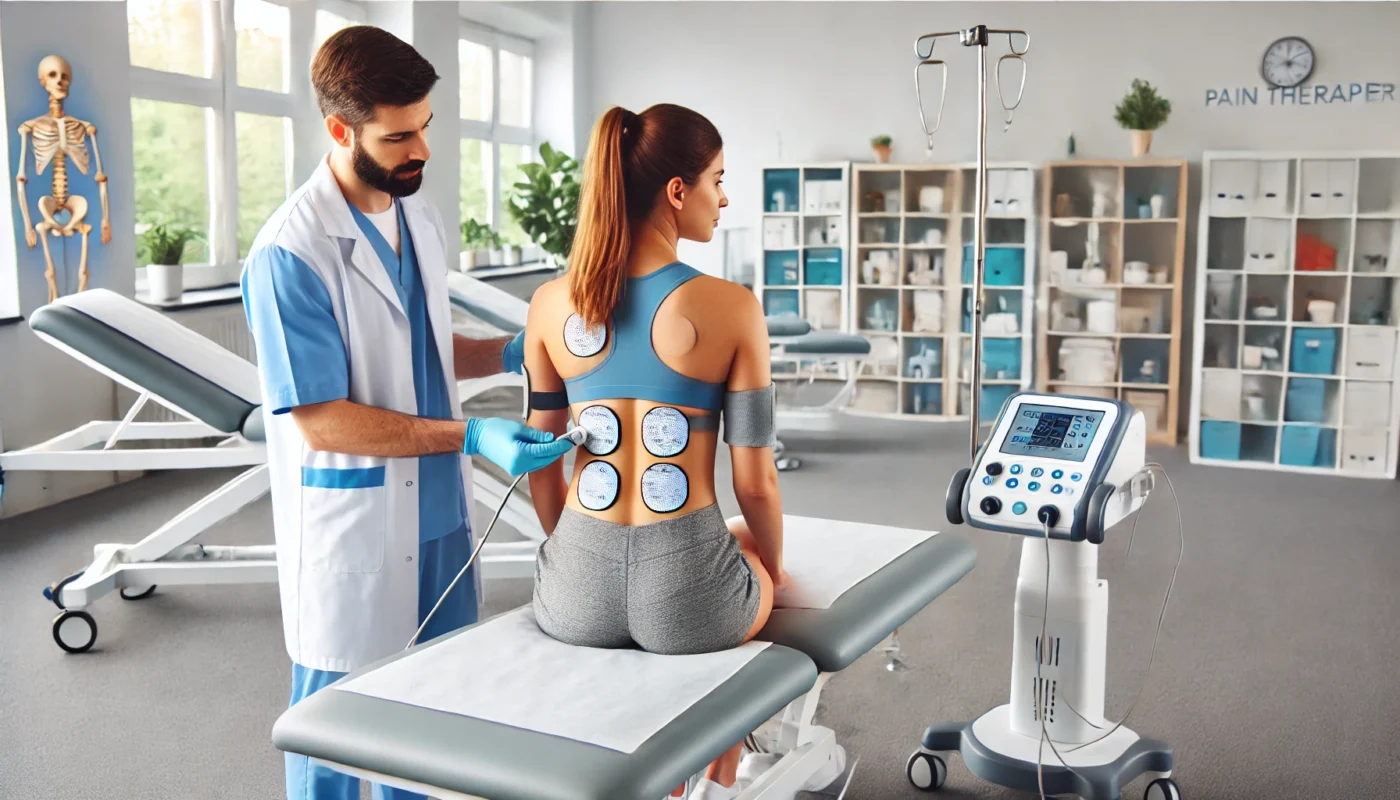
{"points": [[987, 479], [1037, 472], [1034, 486], [1018, 508], [1056, 489], [1015, 469], [1012, 483], [1057, 474], [1075, 477]]}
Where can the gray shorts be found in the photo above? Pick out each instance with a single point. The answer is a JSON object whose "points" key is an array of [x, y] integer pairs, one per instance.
{"points": [[674, 587]]}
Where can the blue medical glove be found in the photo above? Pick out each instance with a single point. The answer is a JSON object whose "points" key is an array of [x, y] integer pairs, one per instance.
{"points": [[513, 356], [513, 446]]}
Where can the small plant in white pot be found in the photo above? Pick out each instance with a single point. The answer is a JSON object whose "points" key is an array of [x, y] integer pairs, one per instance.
{"points": [[164, 248], [476, 240], [1142, 111]]}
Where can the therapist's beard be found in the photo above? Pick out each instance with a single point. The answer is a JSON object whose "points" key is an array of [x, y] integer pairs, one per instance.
{"points": [[390, 182]]}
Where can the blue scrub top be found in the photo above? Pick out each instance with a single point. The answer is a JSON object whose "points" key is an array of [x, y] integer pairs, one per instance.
{"points": [[303, 360]]}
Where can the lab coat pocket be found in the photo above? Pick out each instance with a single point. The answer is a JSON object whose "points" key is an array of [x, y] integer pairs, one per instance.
{"points": [[344, 515]]}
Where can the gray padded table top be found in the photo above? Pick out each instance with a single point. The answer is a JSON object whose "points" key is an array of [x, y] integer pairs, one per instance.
{"points": [[823, 342], [485, 313], [487, 759], [871, 610], [787, 325]]}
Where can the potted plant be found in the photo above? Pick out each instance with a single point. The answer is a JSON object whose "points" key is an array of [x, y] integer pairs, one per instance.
{"points": [[164, 247], [1142, 111], [881, 144], [476, 237], [545, 203]]}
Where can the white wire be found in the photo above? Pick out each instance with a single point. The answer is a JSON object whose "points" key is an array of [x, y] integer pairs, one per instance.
{"points": [[1161, 616], [468, 565]]}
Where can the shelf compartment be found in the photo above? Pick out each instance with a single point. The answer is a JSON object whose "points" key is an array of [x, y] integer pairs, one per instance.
{"points": [[1224, 296], [929, 191], [880, 230], [822, 266], [1154, 405], [1249, 186], [1071, 308], [781, 302], [1010, 192], [1319, 299], [780, 268], [1312, 400], [884, 357], [1145, 361], [1001, 312], [1234, 441], [1266, 298], [822, 308], [1152, 248], [1327, 187], [876, 397], [878, 309], [1258, 442], [1145, 311], [1261, 398], [781, 190], [1085, 192], [1308, 446], [1225, 249], [1366, 404], [999, 231], [927, 231], [1141, 184], [924, 268], [1266, 244], [1377, 246], [1264, 346], [1221, 346], [1379, 190], [923, 398], [1089, 245], [878, 191], [1374, 300], [1001, 359], [823, 230], [878, 266], [1323, 245], [1083, 360], [922, 358], [923, 311]]}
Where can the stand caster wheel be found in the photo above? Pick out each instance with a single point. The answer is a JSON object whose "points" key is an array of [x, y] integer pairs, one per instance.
{"points": [[54, 591], [75, 631], [785, 464], [1162, 789], [926, 771], [150, 590]]}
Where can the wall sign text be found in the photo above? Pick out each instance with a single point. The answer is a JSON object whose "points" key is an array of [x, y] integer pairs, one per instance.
{"points": [[1319, 94]]}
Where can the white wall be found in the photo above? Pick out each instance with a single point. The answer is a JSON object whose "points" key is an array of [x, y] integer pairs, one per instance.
{"points": [[815, 81]]}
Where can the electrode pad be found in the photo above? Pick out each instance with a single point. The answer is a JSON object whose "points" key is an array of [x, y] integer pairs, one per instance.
{"points": [[665, 431], [665, 487], [583, 340], [749, 418], [597, 485], [602, 426]]}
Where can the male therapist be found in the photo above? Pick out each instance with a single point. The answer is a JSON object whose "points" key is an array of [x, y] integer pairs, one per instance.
{"points": [[368, 452]]}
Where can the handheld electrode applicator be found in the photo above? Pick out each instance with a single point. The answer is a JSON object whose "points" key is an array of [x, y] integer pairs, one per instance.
{"points": [[577, 435]]}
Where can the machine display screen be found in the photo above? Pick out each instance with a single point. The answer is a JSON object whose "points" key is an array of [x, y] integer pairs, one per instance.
{"points": [[1052, 432]]}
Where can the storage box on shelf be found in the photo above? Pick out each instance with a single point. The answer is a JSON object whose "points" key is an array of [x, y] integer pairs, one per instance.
{"points": [[1113, 243], [1298, 279], [804, 251], [912, 229]]}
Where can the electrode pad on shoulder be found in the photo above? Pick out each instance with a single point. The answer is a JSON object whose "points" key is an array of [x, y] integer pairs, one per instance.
{"points": [[582, 339], [749, 417]]}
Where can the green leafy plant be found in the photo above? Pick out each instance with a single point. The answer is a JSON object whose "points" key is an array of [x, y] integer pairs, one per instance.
{"points": [[881, 141], [1142, 109], [164, 242], [479, 236], [545, 203]]}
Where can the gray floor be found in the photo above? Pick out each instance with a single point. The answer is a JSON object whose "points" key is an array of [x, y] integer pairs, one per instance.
{"points": [[1275, 674]]}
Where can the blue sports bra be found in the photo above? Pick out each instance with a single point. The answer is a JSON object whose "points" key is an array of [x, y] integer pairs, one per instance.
{"points": [[632, 369]]}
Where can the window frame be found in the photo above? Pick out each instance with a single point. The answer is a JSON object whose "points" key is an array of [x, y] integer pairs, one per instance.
{"points": [[492, 132], [223, 99]]}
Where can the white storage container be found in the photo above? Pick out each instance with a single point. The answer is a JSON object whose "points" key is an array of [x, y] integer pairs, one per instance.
{"points": [[1316, 182], [1266, 245], [1271, 197], [1088, 361], [1341, 187], [1370, 353], [1232, 186], [1220, 394], [1364, 450], [1367, 405]]}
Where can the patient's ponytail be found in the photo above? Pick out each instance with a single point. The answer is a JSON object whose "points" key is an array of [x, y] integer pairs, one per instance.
{"points": [[631, 157], [604, 235]]}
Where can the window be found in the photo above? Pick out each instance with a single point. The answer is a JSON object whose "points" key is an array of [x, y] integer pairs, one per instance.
{"points": [[215, 89], [496, 74]]}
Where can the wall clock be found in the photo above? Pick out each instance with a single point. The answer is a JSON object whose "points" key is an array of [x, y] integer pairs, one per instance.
{"points": [[1287, 62]]}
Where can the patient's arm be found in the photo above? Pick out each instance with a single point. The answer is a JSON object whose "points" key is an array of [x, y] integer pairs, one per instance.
{"points": [[755, 473], [340, 426], [548, 487]]}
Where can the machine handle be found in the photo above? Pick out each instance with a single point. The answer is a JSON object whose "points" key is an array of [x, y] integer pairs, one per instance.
{"points": [[952, 503]]}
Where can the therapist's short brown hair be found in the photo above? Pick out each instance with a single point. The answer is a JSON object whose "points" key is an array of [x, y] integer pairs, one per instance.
{"points": [[363, 66]]}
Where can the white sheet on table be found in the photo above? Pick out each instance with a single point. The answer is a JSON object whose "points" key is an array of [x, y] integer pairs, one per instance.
{"points": [[510, 672], [825, 557]]}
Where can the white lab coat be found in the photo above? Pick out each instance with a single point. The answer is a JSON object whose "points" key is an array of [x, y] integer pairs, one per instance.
{"points": [[347, 558]]}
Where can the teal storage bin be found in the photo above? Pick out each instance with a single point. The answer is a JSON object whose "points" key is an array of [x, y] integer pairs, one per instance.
{"points": [[1314, 351], [993, 398], [1002, 266], [1001, 358], [823, 267], [1220, 440], [1308, 446], [1306, 400]]}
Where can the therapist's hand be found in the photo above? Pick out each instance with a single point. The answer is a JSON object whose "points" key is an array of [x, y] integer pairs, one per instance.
{"points": [[513, 446], [513, 356]]}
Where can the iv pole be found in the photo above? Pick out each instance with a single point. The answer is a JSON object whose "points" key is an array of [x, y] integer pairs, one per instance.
{"points": [[977, 36]]}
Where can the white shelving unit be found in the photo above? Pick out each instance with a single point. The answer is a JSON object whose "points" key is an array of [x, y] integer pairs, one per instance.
{"points": [[912, 231], [1298, 311], [804, 254]]}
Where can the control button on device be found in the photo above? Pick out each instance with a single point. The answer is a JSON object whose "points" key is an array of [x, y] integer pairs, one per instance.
{"points": [[988, 479], [1056, 489], [1012, 483], [1075, 477], [1057, 474], [1037, 472], [990, 505], [994, 468], [1034, 486], [1015, 469], [1019, 508]]}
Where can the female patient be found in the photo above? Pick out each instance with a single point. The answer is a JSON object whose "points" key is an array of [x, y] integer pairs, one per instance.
{"points": [[646, 353]]}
